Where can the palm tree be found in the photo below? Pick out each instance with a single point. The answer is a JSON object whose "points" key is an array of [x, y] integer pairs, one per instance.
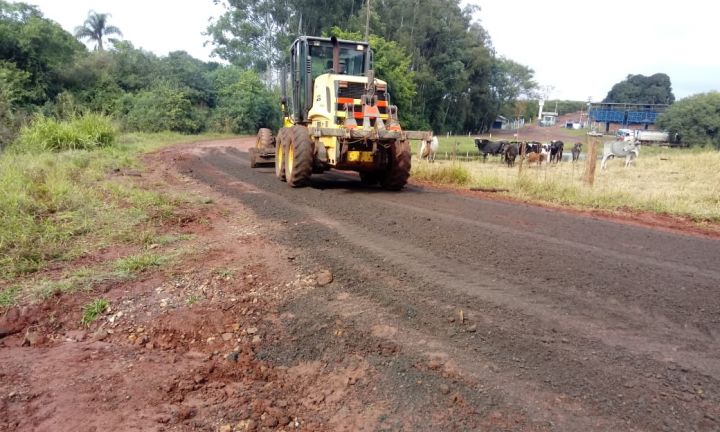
{"points": [[95, 28]]}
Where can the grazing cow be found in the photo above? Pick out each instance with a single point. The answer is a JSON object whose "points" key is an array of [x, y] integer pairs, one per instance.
{"points": [[429, 148], [510, 153], [536, 157], [486, 147], [629, 150], [532, 147], [577, 148], [556, 151]]}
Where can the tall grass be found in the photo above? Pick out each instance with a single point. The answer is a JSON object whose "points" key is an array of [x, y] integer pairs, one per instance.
{"points": [[678, 182], [453, 173], [57, 204], [85, 132]]}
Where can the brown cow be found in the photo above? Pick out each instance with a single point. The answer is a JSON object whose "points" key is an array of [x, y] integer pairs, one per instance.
{"points": [[536, 157]]}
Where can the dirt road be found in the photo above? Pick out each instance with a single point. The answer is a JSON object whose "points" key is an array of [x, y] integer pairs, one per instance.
{"points": [[452, 312]]}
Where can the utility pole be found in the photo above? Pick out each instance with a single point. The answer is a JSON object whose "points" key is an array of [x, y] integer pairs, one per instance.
{"points": [[367, 23]]}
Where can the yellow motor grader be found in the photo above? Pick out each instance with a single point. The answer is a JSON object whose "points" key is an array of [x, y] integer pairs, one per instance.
{"points": [[338, 116]]}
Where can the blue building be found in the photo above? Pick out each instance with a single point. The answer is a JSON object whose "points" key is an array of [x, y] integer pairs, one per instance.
{"points": [[626, 114]]}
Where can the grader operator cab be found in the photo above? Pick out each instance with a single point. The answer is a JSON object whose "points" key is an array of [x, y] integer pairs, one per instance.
{"points": [[338, 116]]}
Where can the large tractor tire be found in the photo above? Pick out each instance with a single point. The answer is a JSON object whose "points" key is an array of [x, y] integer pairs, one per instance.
{"points": [[264, 139], [263, 145], [396, 177], [299, 156], [281, 144]]}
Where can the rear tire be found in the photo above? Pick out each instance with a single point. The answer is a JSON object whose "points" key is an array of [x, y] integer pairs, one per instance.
{"points": [[264, 139], [280, 148], [396, 177], [299, 157]]}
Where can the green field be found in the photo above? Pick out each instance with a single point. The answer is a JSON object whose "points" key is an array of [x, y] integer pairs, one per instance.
{"points": [[678, 182]]}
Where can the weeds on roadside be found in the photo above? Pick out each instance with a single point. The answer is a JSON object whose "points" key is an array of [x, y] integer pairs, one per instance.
{"points": [[192, 300], [224, 273], [93, 310], [138, 263], [8, 296], [455, 174]]}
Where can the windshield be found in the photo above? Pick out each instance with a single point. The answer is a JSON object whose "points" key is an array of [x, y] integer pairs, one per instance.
{"points": [[352, 59]]}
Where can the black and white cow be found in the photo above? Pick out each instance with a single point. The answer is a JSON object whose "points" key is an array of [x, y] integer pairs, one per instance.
{"points": [[487, 147], [630, 150]]}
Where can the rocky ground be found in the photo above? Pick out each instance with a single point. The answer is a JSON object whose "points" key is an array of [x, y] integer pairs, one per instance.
{"points": [[340, 307]]}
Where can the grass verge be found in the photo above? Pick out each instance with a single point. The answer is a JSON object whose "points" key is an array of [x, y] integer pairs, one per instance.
{"points": [[677, 182], [60, 205]]}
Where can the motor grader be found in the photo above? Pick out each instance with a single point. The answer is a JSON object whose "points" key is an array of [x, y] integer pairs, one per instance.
{"points": [[338, 116]]}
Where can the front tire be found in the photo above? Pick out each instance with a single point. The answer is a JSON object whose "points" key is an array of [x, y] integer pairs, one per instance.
{"points": [[280, 148], [396, 177], [299, 157]]}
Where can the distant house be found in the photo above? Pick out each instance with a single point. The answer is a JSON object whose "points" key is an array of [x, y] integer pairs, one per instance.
{"points": [[500, 123], [548, 118]]}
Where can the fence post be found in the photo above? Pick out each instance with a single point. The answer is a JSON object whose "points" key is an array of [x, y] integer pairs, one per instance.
{"points": [[522, 158], [590, 161]]}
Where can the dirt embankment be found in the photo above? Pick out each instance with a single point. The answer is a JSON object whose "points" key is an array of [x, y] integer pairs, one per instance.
{"points": [[341, 307]]}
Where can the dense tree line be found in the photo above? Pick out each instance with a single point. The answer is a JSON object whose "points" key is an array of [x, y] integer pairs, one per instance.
{"points": [[44, 70], [451, 79], [441, 66]]}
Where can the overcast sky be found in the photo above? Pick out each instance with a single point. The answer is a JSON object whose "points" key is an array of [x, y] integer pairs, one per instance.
{"points": [[577, 48]]}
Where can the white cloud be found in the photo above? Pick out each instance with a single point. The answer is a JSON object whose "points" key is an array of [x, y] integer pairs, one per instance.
{"points": [[160, 26], [583, 48]]}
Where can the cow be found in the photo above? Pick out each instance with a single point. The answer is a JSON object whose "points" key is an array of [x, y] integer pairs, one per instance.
{"points": [[487, 147], [577, 148], [629, 150], [510, 153], [536, 157], [429, 148], [532, 147], [556, 151]]}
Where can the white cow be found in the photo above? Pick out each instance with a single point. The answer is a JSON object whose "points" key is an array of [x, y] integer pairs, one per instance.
{"points": [[429, 148], [630, 150]]}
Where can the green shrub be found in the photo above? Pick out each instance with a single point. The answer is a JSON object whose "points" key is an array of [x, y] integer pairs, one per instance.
{"points": [[163, 108], [84, 132]]}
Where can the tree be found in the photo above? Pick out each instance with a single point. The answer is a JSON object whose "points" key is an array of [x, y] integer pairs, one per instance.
{"points": [[95, 29], [639, 89], [251, 33], [391, 64], [696, 119], [34, 50], [510, 82], [162, 108], [244, 104]]}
